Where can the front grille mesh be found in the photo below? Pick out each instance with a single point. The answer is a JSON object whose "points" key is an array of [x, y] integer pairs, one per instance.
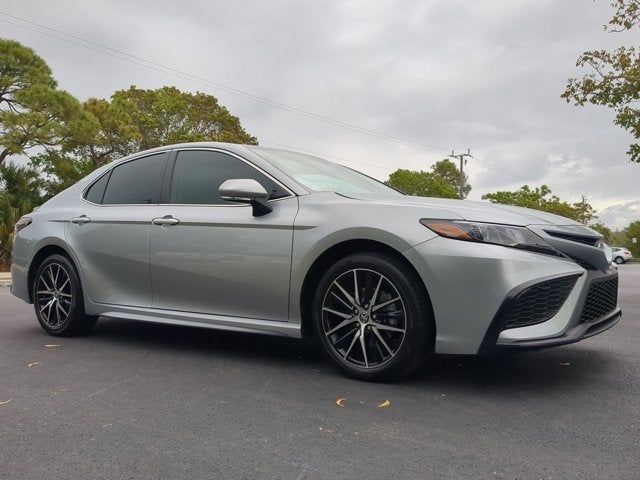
{"points": [[601, 299], [539, 302], [583, 263]]}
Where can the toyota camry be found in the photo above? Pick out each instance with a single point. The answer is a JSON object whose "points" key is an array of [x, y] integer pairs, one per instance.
{"points": [[261, 240]]}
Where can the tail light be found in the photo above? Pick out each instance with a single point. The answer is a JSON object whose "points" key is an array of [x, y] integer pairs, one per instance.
{"points": [[22, 223]]}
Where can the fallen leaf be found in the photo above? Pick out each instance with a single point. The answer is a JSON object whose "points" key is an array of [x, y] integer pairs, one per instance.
{"points": [[565, 364], [386, 403], [340, 402], [8, 401], [33, 364], [51, 345]]}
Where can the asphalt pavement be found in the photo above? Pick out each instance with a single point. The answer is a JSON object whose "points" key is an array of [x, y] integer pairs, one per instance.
{"points": [[135, 400]]}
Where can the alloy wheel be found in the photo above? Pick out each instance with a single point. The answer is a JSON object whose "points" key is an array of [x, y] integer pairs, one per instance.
{"points": [[53, 295], [364, 318]]}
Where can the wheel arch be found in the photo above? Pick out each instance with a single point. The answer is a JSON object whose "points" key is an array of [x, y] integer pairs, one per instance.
{"points": [[44, 251], [333, 254]]}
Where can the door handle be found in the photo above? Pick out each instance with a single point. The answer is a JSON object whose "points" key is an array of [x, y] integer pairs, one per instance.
{"points": [[81, 219], [166, 220]]}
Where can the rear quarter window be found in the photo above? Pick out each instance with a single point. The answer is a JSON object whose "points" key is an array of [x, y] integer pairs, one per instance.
{"points": [[95, 192], [138, 181]]}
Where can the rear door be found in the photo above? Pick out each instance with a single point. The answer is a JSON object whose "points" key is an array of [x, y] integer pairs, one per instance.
{"points": [[212, 256], [110, 234]]}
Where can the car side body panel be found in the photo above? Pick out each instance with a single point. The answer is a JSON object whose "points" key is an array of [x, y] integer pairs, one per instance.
{"points": [[47, 230], [113, 249], [222, 260], [327, 219]]}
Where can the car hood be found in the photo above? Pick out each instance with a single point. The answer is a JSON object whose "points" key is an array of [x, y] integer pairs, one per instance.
{"points": [[472, 210]]}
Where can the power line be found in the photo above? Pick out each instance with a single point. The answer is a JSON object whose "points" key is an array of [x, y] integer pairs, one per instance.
{"points": [[136, 60], [124, 56], [498, 169]]}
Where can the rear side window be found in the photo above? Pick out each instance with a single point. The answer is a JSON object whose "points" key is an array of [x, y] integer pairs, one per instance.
{"points": [[136, 182], [95, 192], [198, 174]]}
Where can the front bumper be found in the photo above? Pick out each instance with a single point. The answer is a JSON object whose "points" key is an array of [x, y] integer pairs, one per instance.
{"points": [[572, 335], [468, 285], [582, 322]]}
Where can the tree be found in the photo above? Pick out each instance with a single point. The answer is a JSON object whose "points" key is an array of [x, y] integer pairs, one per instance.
{"points": [[441, 181], [541, 198], [167, 115], [603, 230], [134, 120], [20, 193], [107, 133], [33, 113], [614, 79], [447, 171], [631, 232]]}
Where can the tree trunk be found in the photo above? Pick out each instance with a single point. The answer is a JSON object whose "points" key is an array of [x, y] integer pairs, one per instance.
{"points": [[4, 154]]}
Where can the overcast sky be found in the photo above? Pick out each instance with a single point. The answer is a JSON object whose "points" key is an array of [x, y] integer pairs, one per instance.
{"points": [[479, 74]]}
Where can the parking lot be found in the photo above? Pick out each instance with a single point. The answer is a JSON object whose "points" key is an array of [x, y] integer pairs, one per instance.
{"points": [[137, 400]]}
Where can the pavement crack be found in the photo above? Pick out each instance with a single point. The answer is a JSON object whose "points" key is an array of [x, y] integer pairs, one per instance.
{"points": [[108, 387]]}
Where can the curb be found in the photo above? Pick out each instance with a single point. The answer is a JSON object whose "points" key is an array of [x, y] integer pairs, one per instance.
{"points": [[5, 279]]}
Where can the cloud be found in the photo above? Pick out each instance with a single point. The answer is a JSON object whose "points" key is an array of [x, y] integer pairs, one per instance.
{"points": [[621, 215], [450, 74]]}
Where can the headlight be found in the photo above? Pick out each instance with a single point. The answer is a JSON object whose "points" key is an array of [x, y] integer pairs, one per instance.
{"points": [[20, 224], [505, 235]]}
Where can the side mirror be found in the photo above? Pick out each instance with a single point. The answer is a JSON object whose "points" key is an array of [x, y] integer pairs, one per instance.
{"points": [[246, 190]]}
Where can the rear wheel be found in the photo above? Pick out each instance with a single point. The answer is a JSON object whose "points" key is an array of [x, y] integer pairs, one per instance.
{"points": [[372, 320], [57, 298], [619, 260]]}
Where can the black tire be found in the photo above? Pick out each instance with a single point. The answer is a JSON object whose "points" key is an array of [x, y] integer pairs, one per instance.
{"points": [[415, 318], [619, 260], [61, 312]]}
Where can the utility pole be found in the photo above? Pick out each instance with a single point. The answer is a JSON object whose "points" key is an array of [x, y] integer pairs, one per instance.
{"points": [[584, 212], [461, 157]]}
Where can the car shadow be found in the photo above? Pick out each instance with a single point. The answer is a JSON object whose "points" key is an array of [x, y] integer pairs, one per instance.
{"points": [[560, 368], [544, 370]]}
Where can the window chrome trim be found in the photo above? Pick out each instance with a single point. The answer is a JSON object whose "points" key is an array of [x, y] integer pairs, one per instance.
{"points": [[291, 194]]}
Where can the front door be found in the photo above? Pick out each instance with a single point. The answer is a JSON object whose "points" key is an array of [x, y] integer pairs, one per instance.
{"points": [[214, 257]]}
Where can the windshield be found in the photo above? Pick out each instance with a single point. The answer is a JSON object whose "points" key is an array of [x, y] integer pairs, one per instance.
{"points": [[320, 175]]}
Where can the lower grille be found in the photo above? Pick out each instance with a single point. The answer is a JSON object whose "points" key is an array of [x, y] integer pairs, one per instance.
{"points": [[601, 299], [538, 303]]}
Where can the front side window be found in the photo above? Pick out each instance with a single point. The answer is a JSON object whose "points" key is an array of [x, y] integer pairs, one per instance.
{"points": [[198, 174], [136, 182]]}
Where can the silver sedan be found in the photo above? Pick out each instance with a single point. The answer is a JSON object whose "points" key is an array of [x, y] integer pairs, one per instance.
{"points": [[262, 240]]}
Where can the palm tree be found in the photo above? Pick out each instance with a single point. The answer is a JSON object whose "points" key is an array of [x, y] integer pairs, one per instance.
{"points": [[20, 192]]}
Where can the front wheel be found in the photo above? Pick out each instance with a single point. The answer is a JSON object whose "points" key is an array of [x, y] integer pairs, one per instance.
{"points": [[372, 318], [57, 298], [619, 260]]}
